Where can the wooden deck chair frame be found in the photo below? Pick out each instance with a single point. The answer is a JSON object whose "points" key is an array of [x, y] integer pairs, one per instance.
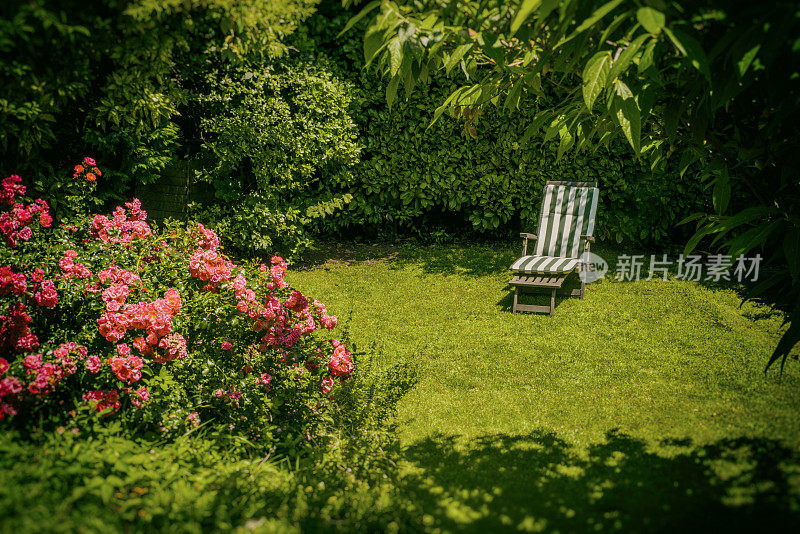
{"points": [[552, 282]]}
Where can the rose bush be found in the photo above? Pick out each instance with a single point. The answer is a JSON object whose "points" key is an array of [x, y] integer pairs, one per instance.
{"points": [[156, 328]]}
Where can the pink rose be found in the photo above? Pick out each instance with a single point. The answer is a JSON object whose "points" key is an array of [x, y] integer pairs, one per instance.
{"points": [[340, 363], [93, 364], [265, 379], [33, 361]]}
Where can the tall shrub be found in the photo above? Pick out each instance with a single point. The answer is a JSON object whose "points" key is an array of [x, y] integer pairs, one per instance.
{"points": [[120, 79], [278, 152]]}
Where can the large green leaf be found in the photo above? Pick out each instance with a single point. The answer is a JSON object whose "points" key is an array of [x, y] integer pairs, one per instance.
{"points": [[721, 194], [525, 10], [590, 21], [695, 239], [743, 64], [373, 43], [546, 8], [566, 142], [688, 156], [625, 58], [595, 75], [598, 14], [391, 90], [536, 124], [512, 100], [743, 243], [648, 56], [455, 58], [363, 13], [689, 47], [395, 48], [627, 113], [651, 19]]}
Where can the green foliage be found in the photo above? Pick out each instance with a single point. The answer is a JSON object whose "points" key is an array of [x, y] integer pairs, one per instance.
{"points": [[414, 175], [92, 478], [290, 128], [87, 476], [119, 79], [254, 226], [158, 330], [148, 84]]}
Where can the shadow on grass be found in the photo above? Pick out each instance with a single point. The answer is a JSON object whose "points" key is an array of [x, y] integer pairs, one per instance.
{"points": [[470, 259], [540, 482]]}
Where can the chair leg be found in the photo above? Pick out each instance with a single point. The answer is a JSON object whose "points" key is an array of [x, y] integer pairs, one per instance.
{"points": [[583, 288], [552, 302], [514, 307]]}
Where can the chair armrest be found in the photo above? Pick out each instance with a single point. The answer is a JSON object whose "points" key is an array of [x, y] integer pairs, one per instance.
{"points": [[525, 236]]}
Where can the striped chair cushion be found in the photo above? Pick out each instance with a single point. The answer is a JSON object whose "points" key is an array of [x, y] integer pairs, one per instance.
{"points": [[567, 213], [544, 264]]}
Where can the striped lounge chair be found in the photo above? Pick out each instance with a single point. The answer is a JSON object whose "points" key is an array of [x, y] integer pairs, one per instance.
{"points": [[566, 224]]}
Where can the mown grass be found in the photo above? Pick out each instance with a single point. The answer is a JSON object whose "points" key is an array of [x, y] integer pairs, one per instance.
{"points": [[643, 407]]}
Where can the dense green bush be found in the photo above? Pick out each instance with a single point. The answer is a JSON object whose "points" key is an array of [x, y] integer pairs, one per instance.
{"points": [[278, 152], [147, 382], [120, 79], [285, 130]]}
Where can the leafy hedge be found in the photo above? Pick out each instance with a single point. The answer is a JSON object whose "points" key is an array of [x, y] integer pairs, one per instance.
{"points": [[279, 149], [121, 79], [487, 178]]}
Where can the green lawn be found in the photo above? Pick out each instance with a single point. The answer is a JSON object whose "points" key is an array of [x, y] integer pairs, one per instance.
{"points": [[643, 407]]}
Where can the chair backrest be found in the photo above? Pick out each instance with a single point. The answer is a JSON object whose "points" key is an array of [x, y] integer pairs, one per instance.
{"points": [[567, 213]]}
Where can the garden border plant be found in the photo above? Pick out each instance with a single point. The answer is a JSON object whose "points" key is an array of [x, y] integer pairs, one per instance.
{"points": [[156, 328]]}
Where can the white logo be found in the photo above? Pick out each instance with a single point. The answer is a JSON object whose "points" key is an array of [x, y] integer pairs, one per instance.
{"points": [[591, 267]]}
